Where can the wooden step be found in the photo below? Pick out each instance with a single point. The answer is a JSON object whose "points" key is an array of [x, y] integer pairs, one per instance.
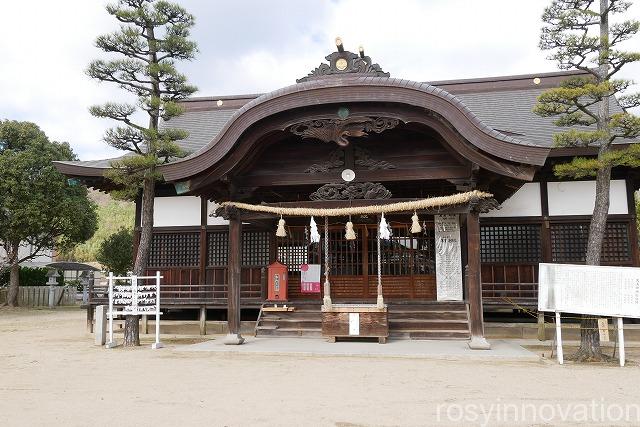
{"points": [[429, 315], [430, 335], [428, 325], [443, 334], [409, 321], [289, 332], [292, 323]]}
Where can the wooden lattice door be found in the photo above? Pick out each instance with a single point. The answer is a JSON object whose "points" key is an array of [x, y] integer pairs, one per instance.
{"points": [[407, 262]]}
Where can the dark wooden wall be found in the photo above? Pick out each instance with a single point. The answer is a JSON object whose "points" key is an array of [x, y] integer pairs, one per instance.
{"points": [[511, 249]]}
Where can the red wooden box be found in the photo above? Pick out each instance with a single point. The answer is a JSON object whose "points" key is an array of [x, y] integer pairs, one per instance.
{"points": [[278, 281]]}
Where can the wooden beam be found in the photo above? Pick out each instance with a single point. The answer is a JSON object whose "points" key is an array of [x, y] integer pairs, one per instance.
{"points": [[286, 179], [474, 286]]}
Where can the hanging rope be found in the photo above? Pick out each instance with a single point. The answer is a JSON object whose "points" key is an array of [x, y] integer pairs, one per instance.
{"points": [[379, 289], [432, 202], [326, 249]]}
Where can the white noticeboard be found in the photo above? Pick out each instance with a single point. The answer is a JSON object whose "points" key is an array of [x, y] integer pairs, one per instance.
{"points": [[586, 289], [134, 299], [448, 258], [590, 290]]}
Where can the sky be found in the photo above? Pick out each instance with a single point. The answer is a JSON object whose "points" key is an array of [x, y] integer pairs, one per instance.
{"points": [[254, 46]]}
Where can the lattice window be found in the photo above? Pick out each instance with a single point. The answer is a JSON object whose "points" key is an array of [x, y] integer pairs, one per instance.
{"points": [[510, 243], [616, 246], [295, 249], [175, 250], [217, 249], [255, 248], [405, 253], [345, 256], [569, 242]]}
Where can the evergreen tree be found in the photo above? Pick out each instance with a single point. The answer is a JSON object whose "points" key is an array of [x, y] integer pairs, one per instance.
{"points": [[153, 35], [579, 35], [38, 207], [116, 252]]}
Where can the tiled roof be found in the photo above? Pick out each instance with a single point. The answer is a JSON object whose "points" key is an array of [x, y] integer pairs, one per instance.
{"points": [[509, 112]]}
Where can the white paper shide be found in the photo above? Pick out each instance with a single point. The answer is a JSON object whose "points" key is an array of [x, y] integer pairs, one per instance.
{"points": [[448, 258]]}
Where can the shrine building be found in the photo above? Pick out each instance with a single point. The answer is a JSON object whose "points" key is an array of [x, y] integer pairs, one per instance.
{"points": [[348, 135]]}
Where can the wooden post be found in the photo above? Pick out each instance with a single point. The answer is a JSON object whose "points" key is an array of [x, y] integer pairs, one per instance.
{"points": [[476, 322], [90, 318], [202, 263], [541, 331], [203, 320], [233, 287], [145, 324]]}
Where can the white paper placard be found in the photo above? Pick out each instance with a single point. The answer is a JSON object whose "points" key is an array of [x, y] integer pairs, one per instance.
{"points": [[354, 323], [448, 258], [586, 289], [310, 278]]}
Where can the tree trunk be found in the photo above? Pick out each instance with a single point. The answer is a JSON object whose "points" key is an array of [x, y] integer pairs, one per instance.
{"points": [[132, 323], [590, 349], [14, 276]]}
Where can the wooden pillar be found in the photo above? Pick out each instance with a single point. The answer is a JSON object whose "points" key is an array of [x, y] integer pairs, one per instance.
{"points": [[233, 281], [633, 223], [476, 322], [202, 260]]}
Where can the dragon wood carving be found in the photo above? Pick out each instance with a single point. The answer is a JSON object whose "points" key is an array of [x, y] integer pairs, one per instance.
{"points": [[352, 190], [362, 158], [338, 130]]}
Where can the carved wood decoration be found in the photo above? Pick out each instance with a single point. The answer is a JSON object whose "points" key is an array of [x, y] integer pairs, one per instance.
{"points": [[362, 158], [338, 130], [354, 190], [341, 63]]}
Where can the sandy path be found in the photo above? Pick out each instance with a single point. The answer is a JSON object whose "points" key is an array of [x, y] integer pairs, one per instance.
{"points": [[51, 374]]}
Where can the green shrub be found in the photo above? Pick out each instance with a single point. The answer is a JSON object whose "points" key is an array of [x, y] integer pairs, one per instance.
{"points": [[36, 276], [116, 252]]}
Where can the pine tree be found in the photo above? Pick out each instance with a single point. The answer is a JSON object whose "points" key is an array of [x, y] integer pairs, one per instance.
{"points": [[579, 35], [153, 35]]}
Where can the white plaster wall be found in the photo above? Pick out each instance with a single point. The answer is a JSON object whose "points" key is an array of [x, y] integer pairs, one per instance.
{"points": [[176, 211], [525, 202], [214, 220], [578, 197]]}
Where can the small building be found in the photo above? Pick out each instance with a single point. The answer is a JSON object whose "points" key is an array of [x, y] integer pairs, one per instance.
{"points": [[404, 140]]}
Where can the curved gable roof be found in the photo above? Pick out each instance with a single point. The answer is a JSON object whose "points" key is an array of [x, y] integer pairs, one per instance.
{"points": [[358, 89]]}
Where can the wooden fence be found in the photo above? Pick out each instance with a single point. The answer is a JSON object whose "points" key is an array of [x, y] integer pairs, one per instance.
{"points": [[38, 296]]}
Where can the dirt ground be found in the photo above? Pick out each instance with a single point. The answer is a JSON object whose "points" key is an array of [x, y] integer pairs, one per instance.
{"points": [[52, 374]]}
